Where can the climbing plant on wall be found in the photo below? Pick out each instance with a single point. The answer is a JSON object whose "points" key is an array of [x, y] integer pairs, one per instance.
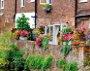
{"points": [[67, 37]]}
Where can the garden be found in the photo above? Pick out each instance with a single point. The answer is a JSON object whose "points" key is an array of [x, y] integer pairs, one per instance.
{"points": [[40, 56]]}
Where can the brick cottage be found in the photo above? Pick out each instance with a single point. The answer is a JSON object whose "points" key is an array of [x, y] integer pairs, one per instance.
{"points": [[71, 12]]}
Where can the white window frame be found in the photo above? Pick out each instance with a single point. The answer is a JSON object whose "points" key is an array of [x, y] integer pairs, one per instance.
{"points": [[22, 3], [47, 2], [32, 1], [2, 4], [83, 1]]}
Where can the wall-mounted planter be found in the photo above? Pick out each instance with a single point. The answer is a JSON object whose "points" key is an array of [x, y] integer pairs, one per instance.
{"points": [[47, 7]]}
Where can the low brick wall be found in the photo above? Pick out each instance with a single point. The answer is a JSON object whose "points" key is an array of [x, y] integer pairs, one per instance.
{"points": [[77, 54]]}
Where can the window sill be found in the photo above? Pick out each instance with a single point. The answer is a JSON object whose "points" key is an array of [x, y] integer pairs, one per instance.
{"points": [[45, 3], [2, 8], [22, 6], [83, 2], [1, 14]]}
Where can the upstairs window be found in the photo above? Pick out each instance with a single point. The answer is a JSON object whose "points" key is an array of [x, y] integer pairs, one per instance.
{"points": [[82, 1], [32, 1], [2, 4], [22, 3], [45, 1]]}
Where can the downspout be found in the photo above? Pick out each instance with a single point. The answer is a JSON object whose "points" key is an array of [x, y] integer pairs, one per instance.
{"points": [[35, 13], [15, 10], [76, 3]]}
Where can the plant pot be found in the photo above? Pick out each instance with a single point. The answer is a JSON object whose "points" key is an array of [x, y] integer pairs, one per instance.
{"points": [[23, 38], [48, 10]]}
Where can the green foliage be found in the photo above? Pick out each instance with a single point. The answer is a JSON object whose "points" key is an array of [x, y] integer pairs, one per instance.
{"points": [[67, 66], [61, 63], [47, 6], [71, 66], [15, 59], [22, 23], [87, 61], [47, 62], [67, 30], [65, 50], [45, 42], [34, 61], [39, 62]]}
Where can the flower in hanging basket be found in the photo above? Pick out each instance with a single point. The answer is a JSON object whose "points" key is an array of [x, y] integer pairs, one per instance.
{"points": [[24, 33]]}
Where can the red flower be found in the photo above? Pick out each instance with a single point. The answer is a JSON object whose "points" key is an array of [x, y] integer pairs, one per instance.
{"points": [[67, 36], [76, 43], [24, 33]]}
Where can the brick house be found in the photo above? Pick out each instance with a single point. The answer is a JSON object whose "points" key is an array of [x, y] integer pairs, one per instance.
{"points": [[71, 12], [63, 12]]}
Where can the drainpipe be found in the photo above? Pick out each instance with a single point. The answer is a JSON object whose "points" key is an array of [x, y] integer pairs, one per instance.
{"points": [[15, 9], [76, 3], [35, 13]]}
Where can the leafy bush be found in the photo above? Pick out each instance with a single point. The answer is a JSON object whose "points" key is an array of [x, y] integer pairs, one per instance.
{"points": [[71, 66], [22, 23], [67, 66], [15, 59], [65, 49], [39, 62], [47, 62], [61, 63], [11, 58], [44, 43]]}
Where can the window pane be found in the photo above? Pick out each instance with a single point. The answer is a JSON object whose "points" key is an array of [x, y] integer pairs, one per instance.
{"points": [[48, 1], [42, 1], [83, 0]]}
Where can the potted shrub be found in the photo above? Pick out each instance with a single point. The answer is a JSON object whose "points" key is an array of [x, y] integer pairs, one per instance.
{"points": [[23, 27], [22, 23]]}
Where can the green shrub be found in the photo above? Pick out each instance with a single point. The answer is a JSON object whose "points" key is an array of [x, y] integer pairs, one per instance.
{"points": [[61, 63], [39, 62], [11, 58], [15, 59], [66, 49], [34, 61], [47, 62], [71, 66], [67, 66], [44, 43], [22, 23]]}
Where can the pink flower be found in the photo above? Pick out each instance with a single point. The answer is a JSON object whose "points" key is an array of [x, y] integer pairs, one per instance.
{"points": [[24, 33], [67, 36]]}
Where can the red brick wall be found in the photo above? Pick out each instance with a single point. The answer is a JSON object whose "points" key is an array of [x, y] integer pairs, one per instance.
{"points": [[8, 13], [83, 13], [63, 11], [84, 6], [28, 7]]}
